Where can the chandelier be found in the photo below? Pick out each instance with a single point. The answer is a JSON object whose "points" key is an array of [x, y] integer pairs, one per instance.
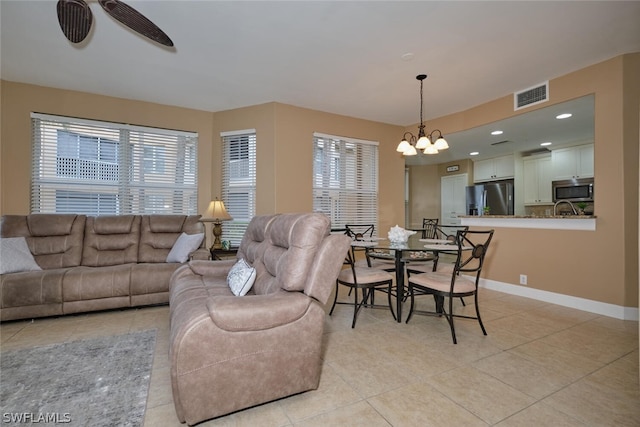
{"points": [[409, 146]]}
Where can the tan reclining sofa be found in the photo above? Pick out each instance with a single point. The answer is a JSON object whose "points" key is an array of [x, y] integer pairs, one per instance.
{"points": [[91, 263], [232, 352]]}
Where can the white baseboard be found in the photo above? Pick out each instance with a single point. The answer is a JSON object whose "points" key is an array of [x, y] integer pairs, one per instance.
{"points": [[603, 308]]}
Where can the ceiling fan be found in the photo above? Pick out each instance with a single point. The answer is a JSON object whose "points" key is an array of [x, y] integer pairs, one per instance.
{"points": [[76, 18]]}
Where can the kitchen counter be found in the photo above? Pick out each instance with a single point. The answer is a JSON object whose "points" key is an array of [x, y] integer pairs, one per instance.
{"points": [[557, 222]]}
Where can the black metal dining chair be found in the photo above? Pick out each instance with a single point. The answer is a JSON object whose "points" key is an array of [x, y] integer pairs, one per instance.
{"points": [[372, 258], [462, 281], [429, 228], [420, 261], [364, 279]]}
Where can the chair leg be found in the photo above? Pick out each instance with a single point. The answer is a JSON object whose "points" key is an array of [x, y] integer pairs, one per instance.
{"points": [[356, 307], [439, 301], [478, 315], [335, 298], [462, 301], [450, 320], [410, 291], [391, 305]]}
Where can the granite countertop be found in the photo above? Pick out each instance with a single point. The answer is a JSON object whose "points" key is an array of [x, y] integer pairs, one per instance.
{"points": [[531, 216]]}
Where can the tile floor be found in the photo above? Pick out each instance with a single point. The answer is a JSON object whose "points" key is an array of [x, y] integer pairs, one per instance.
{"points": [[540, 365]]}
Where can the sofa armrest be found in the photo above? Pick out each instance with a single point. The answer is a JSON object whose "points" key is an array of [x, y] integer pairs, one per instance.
{"points": [[257, 312], [211, 268], [200, 254]]}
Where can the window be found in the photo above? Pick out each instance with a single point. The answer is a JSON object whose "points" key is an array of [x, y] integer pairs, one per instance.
{"points": [[345, 179], [100, 168], [238, 182]]}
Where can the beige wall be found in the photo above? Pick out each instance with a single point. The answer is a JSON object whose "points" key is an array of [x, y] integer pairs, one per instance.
{"points": [[600, 265], [284, 138], [20, 100]]}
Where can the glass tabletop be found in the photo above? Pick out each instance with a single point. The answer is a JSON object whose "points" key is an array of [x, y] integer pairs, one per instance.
{"points": [[414, 243]]}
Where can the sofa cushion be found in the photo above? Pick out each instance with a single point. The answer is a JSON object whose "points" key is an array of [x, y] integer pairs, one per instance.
{"points": [[91, 283], [288, 252], [111, 240], [44, 225], [32, 288], [241, 278], [15, 256], [54, 240], [151, 278], [183, 246], [158, 233], [251, 247]]}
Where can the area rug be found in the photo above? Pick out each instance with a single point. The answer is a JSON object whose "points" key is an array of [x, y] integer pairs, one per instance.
{"points": [[95, 382]]}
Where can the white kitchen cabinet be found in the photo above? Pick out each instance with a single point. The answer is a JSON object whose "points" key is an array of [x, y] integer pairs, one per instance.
{"points": [[537, 173], [572, 162], [453, 197], [496, 168]]}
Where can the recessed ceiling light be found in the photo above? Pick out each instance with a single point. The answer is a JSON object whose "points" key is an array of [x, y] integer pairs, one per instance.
{"points": [[544, 144], [497, 132], [474, 153], [564, 116]]}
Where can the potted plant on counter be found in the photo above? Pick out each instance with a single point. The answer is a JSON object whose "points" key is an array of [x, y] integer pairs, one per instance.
{"points": [[581, 206]]}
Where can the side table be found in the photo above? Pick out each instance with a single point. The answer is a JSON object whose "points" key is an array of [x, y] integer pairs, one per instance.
{"points": [[220, 254]]}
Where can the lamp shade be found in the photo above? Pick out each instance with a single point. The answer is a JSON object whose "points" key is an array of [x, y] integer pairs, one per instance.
{"points": [[431, 149], [411, 151], [403, 146], [441, 143], [423, 142], [217, 211]]}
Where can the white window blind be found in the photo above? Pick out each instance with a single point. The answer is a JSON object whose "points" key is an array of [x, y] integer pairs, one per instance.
{"points": [[238, 182], [101, 168], [345, 179]]}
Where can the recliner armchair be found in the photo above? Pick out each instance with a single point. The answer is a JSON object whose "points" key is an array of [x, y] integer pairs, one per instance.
{"points": [[229, 353]]}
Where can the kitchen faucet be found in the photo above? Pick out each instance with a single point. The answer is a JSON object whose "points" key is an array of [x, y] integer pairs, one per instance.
{"points": [[564, 201]]}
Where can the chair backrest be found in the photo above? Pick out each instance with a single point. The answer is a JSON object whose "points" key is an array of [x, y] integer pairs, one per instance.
{"points": [[343, 230], [429, 230], [350, 260], [158, 233], [55, 240], [449, 232], [360, 231], [294, 252], [471, 260], [111, 240]]}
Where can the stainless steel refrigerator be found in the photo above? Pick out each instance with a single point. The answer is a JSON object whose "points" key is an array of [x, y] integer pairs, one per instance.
{"points": [[497, 196]]}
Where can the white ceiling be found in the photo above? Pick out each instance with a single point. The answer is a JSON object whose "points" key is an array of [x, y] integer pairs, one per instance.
{"points": [[343, 57]]}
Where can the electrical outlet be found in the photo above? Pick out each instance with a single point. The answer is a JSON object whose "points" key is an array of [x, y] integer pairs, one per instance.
{"points": [[523, 279]]}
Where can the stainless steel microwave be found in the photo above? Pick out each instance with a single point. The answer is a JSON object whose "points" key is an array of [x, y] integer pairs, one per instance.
{"points": [[573, 190]]}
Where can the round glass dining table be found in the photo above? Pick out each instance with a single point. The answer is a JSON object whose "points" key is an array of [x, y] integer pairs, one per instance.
{"points": [[399, 252]]}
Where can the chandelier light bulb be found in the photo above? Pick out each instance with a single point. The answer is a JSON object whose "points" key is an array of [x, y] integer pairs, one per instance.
{"points": [[411, 151], [441, 144], [403, 146], [431, 149], [422, 143]]}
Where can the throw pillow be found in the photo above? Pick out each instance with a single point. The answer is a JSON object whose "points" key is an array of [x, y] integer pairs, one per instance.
{"points": [[241, 277], [15, 256], [185, 244]]}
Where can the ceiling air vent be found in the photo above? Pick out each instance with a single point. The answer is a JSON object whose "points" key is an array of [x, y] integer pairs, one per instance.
{"points": [[531, 96], [506, 141], [535, 151]]}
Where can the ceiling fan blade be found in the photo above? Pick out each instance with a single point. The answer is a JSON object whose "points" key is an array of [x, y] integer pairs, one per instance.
{"points": [[135, 20], [75, 19]]}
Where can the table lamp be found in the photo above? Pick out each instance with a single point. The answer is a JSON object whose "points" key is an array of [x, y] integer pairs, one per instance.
{"points": [[217, 213]]}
